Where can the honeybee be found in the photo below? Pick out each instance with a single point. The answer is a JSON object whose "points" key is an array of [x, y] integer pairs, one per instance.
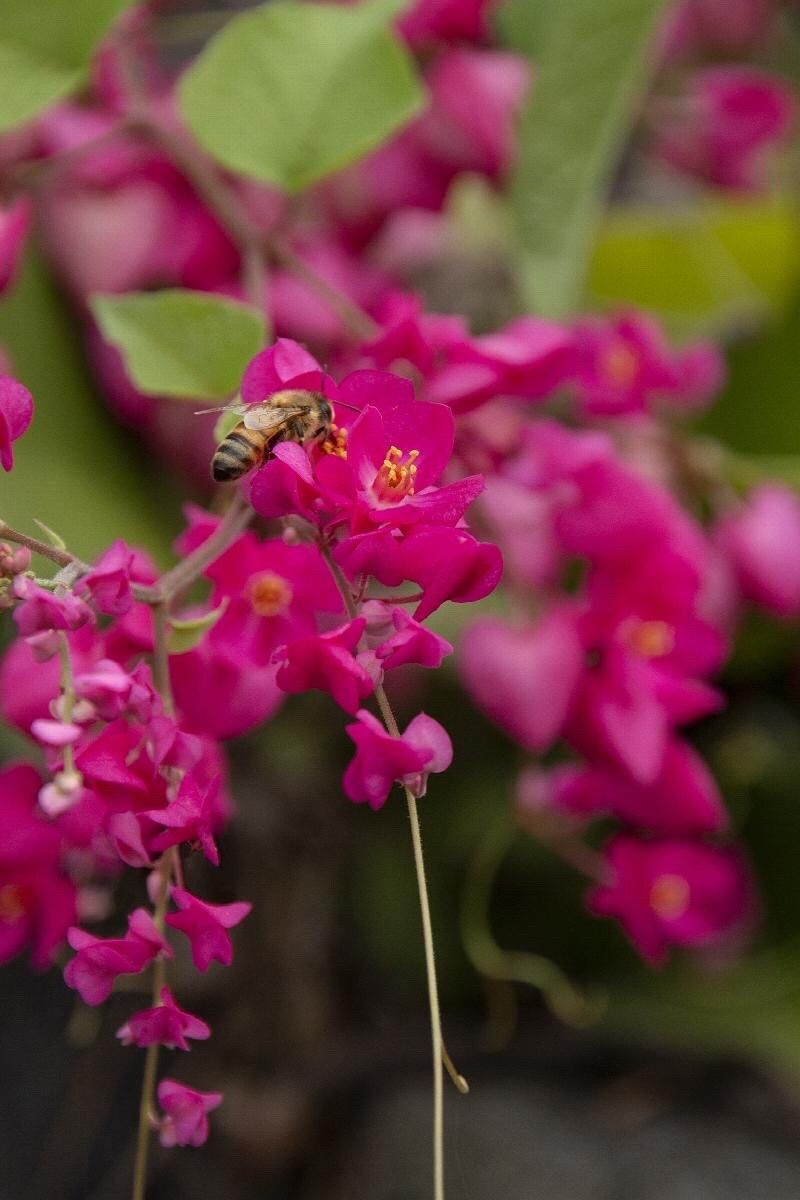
{"points": [[292, 415]]}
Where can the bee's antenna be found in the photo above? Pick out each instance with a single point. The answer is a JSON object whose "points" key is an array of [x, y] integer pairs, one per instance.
{"points": [[341, 404]]}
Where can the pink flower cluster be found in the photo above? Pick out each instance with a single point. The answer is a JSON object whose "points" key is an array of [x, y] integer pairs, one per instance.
{"points": [[128, 783]]}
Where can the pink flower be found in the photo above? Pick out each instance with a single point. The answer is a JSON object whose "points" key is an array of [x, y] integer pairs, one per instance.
{"points": [[165, 1024], [448, 563], [530, 358], [14, 222], [99, 961], [731, 116], [381, 759], [445, 21], [16, 414], [672, 893], [187, 818], [525, 678], [625, 365], [108, 582], [326, 662], [206, 926], [37, 900], [762, 541], [729, 27], [411, 643], [683, 799], [185, 1120], [41, 610]]}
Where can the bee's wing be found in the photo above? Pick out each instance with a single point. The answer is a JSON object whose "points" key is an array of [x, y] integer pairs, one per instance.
{"points": [[221, 408], [266, 417]]}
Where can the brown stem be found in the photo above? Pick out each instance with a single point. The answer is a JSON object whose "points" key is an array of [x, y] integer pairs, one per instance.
{"points": [[174, 581], [255, 245]]}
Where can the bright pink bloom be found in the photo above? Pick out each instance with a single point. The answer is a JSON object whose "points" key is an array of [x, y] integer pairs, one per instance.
{"points": [[14, 222], [187, 818], [109, 581], [326, 662], [625, 365], [16, 414], [524, 679], [475, 96], [529, 358], [411, 643], [672, 893], [731, 116], [445, 21], [729, 27], [99, 961], [381, 759], [37, 900], [448, 563], [185, 1120], [684, 798], [762, 541], [206, 926], [108, 688], [165, 1024], [217, 668], [41, 610]]}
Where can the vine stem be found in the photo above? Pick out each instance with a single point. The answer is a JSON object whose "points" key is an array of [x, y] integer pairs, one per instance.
{"points": [[165, 868], [172, 582], [440, 1056]]}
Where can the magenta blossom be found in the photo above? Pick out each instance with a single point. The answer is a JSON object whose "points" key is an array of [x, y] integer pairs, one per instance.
{"points": [[14, 222], [683, 799], [16, 414], [732, 115], [762, 541], [206, 926], [524, 678], [187, 818], [448, 563], [185, 1120], [411, 642], [37, 900], [165, 1024], [672, 893], [326, 662], [108, 582], [381, 759], [625, 365], [41, 611], [435, 21], [99, 961]]}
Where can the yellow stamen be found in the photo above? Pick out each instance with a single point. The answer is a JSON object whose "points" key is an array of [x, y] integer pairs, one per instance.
{"points": [[12, 904], [669, 896], [336, 442], [619, 364], [651, 639], [397, 472], [269, 594]]}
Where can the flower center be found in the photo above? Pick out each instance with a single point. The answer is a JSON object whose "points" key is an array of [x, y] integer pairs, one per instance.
{"points": [[669, 897], [619, 364], [336, 442], [12, 903], [395, 477], [651, 639], [269, 594]]}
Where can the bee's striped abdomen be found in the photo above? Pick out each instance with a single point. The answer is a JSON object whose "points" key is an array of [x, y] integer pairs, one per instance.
{"points": [[241, 450]]}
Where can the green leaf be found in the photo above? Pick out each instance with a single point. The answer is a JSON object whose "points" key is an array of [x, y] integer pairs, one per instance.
{"points": [[722, 264], [289, 93], [179, 343], [44, 51], [75, 470], [592, 62], [55, 539], [185, 635]]}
